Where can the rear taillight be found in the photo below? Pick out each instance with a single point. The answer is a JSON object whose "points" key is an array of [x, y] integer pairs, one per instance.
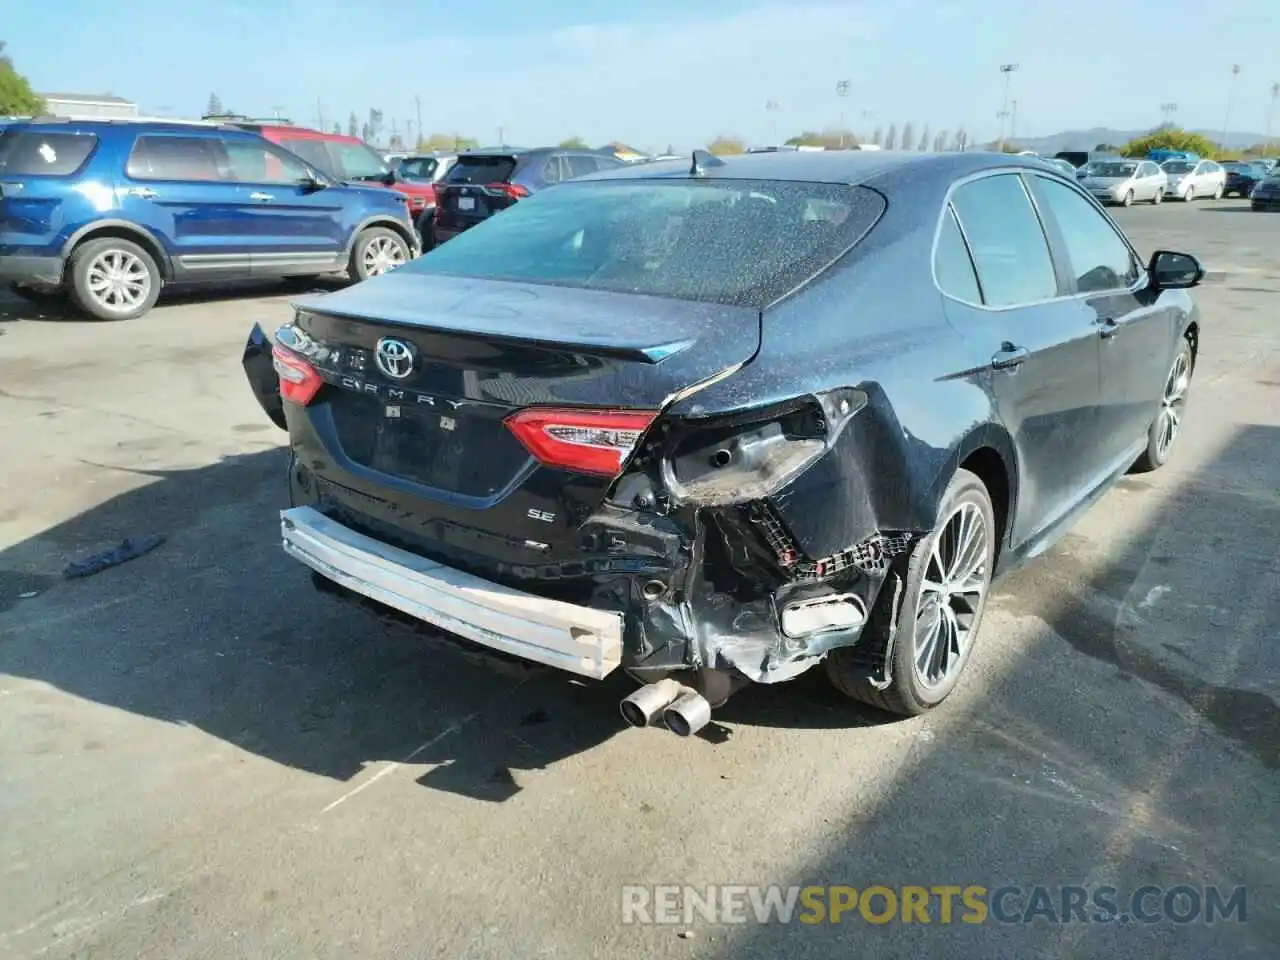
{"points": [[585, 441], [512, 191], [417, 203], [299, 380]]}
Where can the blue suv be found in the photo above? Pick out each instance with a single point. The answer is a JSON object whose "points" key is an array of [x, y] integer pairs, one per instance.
{"points": [[111, 211]]}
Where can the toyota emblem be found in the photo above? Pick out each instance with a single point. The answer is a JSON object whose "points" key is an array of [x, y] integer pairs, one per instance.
{"points": [[394, 358]]}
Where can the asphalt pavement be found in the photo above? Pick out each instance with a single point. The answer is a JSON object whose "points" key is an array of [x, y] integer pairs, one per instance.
{"points": [[201, 756]]}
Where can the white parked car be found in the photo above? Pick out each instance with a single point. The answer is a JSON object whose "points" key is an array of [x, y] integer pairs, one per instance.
{"points": [[1193, 179], [1125, 181]]}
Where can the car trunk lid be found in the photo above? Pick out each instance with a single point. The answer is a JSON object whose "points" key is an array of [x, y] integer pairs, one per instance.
{"points": [[425, 441]]}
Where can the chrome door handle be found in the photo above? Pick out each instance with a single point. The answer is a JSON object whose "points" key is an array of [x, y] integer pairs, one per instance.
{"points": [[264, 197], [1009, 357], [1108, 328], [146, 193]]}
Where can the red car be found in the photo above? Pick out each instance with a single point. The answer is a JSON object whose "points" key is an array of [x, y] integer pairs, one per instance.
{"points": [[342, 157]]}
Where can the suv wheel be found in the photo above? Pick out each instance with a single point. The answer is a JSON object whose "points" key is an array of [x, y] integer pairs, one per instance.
{"points": [[377, 250], [114, 279], [943, 598]]}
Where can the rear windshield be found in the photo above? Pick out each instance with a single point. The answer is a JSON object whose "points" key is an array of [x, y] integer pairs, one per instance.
{"points": [[32, 153], [481, 170], [1177, 166], [736, 242]]}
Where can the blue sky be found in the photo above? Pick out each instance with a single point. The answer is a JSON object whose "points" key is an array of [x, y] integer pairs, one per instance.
{"points": [[664, 72]]}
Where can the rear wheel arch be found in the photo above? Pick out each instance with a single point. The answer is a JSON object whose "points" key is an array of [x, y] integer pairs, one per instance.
{"points": [[388, 222], [987, 452], [122, 230]]}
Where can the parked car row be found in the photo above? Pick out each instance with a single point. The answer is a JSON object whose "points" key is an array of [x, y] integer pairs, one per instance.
{"points": [[1125, 181]]}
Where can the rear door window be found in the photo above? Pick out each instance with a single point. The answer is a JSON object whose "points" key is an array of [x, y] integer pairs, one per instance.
{"points": [[313, 152], [1007, 242], [176, 158], [553, 169], [31, 153], [259, 162], [481, 170], [580, 166], [421, 169]]}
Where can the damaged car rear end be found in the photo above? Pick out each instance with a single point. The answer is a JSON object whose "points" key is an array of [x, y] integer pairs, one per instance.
{"points": [[644, 422]]}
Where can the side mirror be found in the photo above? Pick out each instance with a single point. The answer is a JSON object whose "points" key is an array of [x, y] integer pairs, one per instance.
{"points": [[313, 181], [391, 178], [1174, 271]]}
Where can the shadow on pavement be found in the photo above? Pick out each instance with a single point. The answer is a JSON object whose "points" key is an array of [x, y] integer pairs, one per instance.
{"points": [[1119, 748], [60, 309]]}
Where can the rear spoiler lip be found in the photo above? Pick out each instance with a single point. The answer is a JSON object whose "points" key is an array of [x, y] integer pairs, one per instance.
{"points": [[654, 353]]}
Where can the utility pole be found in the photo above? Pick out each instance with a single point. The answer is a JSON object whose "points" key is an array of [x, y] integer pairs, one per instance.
{"points": [[771, 107], [501, 142], [842, 91], [1007, 69], [417, 102], [1275, 95], [1167, 110], [1013, 123], [1226, 120], [320, 116]]}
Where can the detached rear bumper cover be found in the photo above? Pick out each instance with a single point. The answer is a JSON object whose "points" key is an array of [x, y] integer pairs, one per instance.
{"points": [[563, 635]]}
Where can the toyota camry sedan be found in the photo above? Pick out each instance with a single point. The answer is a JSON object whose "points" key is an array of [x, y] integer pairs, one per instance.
{"points": [[713, 422]]}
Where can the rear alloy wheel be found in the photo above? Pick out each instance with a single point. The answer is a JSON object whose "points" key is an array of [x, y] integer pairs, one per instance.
{"points": [[1189, 195], [114, 279], [1128, 199], [947, 581], [377, 250], [1173, 404], [1159, 196], [1217, 194]]}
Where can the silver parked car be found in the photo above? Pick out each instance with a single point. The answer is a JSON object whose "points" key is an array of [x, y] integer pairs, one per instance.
{"points": [[1125, 181], [1193, 179]]}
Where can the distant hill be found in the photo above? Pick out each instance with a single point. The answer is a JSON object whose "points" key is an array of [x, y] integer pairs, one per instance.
{"points": [[1088, 139]]}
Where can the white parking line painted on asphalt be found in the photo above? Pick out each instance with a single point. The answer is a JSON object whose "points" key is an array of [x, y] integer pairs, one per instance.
{"points": [[396, 765]]}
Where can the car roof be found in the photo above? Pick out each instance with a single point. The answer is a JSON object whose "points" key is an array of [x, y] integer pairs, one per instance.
{"points": [[828, 166], [157, 124]]}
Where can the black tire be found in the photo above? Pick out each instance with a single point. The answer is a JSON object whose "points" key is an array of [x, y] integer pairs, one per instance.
{"points": [[906, 693], [361, 267], [1219, 193], [1128, 199], [1158, 198], [42, 296], [1189, 195], [90, 255], [1160, 443]]}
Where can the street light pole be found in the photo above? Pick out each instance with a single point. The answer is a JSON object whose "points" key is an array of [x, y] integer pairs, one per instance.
{"points": [[1226, 120], [1013, 123], [842, 91], [1275, 95], [1007, 69], [771, 107], [1167, 110]]}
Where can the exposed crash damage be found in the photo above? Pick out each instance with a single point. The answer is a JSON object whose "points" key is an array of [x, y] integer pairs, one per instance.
{"points": [[715, 426]]}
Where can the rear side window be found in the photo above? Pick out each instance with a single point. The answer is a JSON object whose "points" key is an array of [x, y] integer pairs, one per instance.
{"points": [[736, 242], [176, 158], [1007, 242], [259, 162], [952, 264], [481, 170], [580, 166], [28, 153]]}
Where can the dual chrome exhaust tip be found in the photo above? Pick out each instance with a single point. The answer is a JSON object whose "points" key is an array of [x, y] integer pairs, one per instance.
{"points": [[684, 711]]}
